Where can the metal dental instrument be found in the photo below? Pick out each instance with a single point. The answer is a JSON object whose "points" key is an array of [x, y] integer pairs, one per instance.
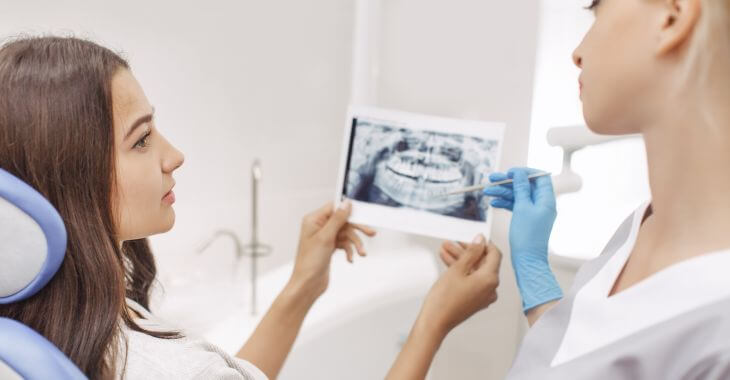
{"points": [[484, 186]]}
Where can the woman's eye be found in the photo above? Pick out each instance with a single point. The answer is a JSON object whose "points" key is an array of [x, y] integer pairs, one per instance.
{"points": [[142, 142], [593, 5]]}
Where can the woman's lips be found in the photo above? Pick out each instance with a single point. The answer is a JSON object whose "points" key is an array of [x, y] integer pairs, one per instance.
{"points": [[169, 198]]}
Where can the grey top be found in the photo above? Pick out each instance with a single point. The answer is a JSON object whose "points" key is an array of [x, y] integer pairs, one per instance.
{"points": [[190, 357], [673, 325]]}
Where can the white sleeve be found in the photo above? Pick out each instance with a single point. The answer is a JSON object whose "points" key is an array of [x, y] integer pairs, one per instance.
{"points": [[252, 370], [181, 359], [222, 366]]}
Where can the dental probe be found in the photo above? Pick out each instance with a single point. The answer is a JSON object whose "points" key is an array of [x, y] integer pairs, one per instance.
{"points": [[482, 187]]}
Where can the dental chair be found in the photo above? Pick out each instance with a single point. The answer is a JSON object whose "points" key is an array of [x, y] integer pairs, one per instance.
{"points": [[32, 247]]}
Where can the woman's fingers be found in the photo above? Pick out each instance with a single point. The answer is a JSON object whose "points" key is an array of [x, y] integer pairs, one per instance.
{"points": [[486, 274], [365, 229], [313, 221], [349, 234], [352, 236], [451, 251], [492, 261], [471, 256], [347, 247], [336, 220], [447, 258], [456, 249]]}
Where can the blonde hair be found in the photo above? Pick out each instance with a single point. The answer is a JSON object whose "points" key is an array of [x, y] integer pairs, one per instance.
{"points": [[711, 38], [711, 41]]}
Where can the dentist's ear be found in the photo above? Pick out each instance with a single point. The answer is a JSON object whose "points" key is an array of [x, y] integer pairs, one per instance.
{"points": [[678, 24]]}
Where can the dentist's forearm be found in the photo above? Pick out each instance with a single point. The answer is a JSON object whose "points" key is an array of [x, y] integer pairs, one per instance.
{"points": [[536, 312], [271, 342]]}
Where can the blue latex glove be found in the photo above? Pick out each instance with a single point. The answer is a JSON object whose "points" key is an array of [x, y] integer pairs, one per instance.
{"points": [[532, 203]]}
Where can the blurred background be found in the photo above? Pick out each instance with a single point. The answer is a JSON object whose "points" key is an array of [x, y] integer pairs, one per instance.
{"points": [[236, 81]]}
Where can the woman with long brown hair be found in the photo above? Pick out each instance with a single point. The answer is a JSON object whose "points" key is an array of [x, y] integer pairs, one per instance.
{"points": [[76, 125]]}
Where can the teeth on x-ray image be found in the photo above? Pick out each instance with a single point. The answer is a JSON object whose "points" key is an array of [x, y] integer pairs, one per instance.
{"points": [[401, 167]]}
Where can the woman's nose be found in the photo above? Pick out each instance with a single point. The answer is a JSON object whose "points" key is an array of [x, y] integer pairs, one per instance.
{"points": [[178, 158], [173, 160]]}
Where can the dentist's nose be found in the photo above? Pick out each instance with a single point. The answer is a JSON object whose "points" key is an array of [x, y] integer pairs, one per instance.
{"points": [[577, 59], [578, 54]]}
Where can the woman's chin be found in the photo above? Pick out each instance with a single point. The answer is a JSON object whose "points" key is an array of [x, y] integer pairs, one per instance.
{"points": [[167, 223], [171, 220]]}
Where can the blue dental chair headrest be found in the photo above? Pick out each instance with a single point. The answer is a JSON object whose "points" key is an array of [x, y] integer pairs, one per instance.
{"points": [[32, 238], [32, 247]]}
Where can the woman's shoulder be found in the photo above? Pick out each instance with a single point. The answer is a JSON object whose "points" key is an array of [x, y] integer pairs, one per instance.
{"points": [[183, 358], [189, 357]]}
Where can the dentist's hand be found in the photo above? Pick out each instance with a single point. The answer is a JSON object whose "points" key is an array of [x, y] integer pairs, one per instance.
{"points": [[323, 231], [533, 213]]}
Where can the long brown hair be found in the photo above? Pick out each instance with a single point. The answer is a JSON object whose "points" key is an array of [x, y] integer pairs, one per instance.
{"points": [[57, 134]]}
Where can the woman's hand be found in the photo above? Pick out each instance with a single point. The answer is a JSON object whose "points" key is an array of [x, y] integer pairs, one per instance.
{"points": [[451, 251], [323, 231], [468, 286]]}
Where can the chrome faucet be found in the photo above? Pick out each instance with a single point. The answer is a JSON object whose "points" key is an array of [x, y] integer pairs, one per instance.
{"points": [[224, 232], [254, 249]]}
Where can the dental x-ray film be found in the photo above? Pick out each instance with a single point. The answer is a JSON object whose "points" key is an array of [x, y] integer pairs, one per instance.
{"points": [[397, 169]]}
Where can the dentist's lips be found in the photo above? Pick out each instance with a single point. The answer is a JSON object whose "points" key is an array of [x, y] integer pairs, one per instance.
{"points": [[580, 86]]}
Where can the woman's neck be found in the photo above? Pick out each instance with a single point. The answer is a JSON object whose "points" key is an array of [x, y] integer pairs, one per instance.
{"points": [[689, 174]]}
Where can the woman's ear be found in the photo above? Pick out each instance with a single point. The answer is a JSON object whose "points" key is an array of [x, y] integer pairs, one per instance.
{"points": [[678, 23]]}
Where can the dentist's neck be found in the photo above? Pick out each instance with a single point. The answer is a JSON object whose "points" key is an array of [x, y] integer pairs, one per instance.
{"points": [[689, 173]]}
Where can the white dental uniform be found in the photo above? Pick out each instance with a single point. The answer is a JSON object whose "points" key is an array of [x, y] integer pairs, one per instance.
{"points": [[189, 357], [675, 324]]}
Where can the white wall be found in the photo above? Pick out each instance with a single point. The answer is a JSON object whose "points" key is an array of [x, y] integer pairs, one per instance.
{"points": [[467, 59]]}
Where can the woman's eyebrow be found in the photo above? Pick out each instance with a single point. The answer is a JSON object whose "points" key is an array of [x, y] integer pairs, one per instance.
{"points": [[143, 119]]}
